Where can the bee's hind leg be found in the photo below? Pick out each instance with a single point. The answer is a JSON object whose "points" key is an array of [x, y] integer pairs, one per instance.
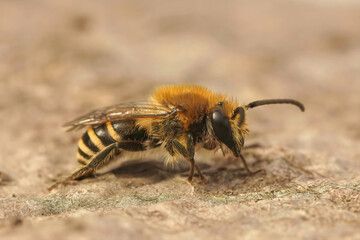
{"points": [[98, 161], [104, 157], [101, 159]]}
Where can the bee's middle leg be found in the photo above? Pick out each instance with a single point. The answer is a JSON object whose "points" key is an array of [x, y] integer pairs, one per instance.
{"points": [[188, 153], [199, 172], [193, 166], [191, 152], [191, 172]]}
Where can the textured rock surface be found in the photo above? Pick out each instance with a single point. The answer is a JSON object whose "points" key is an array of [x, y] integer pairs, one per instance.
{"points": [[59, 59]]}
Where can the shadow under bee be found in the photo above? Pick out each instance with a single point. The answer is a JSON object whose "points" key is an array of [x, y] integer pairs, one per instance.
{"points": [[153, 170]]}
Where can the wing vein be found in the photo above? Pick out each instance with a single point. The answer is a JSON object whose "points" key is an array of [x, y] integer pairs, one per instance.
{"points": [[135, 110]]}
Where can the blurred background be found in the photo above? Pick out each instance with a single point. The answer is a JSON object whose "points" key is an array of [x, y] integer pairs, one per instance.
{"points": [[60, 59]]}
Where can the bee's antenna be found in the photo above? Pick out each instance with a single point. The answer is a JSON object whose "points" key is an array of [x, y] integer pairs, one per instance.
{"points": [[276, 101]]}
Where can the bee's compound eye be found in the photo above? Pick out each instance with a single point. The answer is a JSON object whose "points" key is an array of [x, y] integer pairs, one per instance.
{"points": [[218, 117], [222, 128]]}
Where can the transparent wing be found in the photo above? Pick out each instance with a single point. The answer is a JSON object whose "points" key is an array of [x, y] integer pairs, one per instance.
{"points": [[120, 111]]}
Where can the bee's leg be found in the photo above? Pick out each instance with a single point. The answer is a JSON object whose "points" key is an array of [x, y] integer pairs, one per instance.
{"points": [[199, 172], [191, 172], [100, 160], [254, 145], [182, 150], [103, 158], [191, 154], [188, 153], [247, 168], [245, 164]]}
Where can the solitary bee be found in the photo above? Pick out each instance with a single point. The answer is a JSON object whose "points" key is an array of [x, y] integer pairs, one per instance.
{"points": [[176, 118]]}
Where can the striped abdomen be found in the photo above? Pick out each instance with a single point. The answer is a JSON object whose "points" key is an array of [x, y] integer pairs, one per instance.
{"points": [[96, 138]]}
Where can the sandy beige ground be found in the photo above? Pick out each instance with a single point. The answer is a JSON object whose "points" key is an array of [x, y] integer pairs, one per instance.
{"points": [[59, 59]]}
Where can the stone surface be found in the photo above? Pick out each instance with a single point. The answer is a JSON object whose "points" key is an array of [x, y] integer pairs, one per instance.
{"points": [[60, 59]]}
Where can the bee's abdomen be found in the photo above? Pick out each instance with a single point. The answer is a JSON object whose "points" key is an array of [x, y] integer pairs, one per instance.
{"points": [[94, 140], [97, 138]]}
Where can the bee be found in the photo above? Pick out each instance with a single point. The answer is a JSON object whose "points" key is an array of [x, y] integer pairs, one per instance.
{"points": [[178, 119]]}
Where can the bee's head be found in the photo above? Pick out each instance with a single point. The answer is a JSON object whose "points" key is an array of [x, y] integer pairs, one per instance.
{"points": [[229, 127]]}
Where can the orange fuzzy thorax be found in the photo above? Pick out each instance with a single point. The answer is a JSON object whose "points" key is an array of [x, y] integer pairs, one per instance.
{"points": [[195, 101]]}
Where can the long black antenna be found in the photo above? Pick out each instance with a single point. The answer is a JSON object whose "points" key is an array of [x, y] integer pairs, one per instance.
{"points": [[276, 101]]}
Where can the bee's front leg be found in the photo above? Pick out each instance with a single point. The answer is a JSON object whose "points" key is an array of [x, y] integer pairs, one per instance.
{"points": [[247, 168], [245, 164]]}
